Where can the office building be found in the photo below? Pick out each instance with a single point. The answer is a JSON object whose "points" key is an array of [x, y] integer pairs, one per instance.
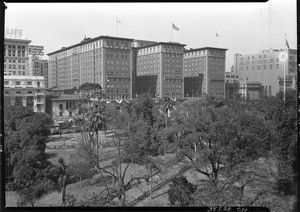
{"points": [[159, 69], [16, 58], [265, 67], [27, 91], [38, 67], [204, 72]]}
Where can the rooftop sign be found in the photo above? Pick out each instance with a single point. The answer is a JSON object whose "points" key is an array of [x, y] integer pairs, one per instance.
{"points": [[36, 50], [13, 33]]}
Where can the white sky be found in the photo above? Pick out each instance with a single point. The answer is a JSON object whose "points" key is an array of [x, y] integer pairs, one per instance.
{"points": [[242, 27]]}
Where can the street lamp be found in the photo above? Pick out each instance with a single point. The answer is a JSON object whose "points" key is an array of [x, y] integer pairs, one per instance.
{"points": [[282, 57]]}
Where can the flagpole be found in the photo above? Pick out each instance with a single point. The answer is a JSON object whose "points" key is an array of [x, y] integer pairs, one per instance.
{"points": [[284, 80], [172, 32]]}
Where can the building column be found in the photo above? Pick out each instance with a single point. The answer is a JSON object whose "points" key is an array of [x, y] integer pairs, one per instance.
{"points": [[12, 100], [24, 101], [34, 104]]}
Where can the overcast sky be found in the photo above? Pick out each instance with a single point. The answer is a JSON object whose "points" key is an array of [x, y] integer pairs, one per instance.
{"points": [[242, 27]]}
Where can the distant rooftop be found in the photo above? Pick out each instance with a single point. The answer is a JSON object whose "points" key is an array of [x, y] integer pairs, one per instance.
{"points": [[66, 97], [88, 40], [203, 48]]}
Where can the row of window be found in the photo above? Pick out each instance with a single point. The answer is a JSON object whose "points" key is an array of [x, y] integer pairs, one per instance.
{"points": [[15, 61], [19, 83], [259, 61], [19, 92], [9, 73], [14, 66], [258, 67]]}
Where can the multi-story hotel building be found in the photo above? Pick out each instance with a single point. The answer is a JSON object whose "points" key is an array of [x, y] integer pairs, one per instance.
{"points": [[16, 59], [104, 60], [27, 91], [159, 70], [265, 67], [204, 72]]}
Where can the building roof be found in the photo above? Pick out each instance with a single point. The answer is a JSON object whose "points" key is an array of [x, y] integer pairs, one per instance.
{"points": [[19, 77], [17, 40], [162, 43], [66, 98], [88, 40], [214, 48], [288, 78]]}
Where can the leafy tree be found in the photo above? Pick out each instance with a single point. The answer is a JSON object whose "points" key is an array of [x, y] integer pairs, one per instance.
{"points": [[143, 107], [219, 135], [26, 143], [181, 192], [26, 161], [34, 190]]}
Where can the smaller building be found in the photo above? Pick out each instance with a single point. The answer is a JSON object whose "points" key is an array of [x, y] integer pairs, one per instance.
{"points": [[251, 90], [290, 82], [232, 89], [231, 77], [63, 108], [27, 91], [231, 84]]}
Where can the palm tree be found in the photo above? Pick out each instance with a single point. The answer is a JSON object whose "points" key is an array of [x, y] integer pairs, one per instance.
{"points": [[62, 171], [97, 121]]}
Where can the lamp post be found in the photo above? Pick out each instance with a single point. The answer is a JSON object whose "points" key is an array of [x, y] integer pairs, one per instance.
{"points": [[283, 56]]}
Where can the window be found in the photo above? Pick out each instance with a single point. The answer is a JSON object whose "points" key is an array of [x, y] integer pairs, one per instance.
{"points": [[6, 83], [271, 66], [70, 113], [18, 83], [29, 83], [60, 113], [61, 106]]}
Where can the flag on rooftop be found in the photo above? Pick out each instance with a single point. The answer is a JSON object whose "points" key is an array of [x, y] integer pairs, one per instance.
{"points": [[175, 27], [217, 34]]}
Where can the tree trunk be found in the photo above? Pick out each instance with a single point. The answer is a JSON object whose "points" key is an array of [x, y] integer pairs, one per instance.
{"points": [[97, 146], [195, 153], [150, 182], [63, 196], [165, 159]]}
